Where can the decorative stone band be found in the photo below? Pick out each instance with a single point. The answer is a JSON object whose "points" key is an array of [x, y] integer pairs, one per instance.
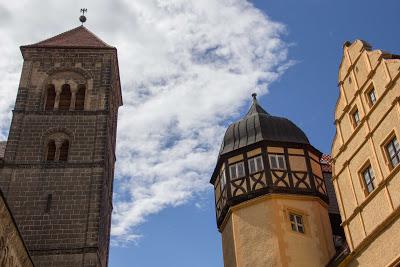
{"points": [[54, 165], [58, 251], [62, 112]]}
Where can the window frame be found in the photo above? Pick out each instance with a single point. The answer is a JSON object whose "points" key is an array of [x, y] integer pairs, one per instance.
{"points": [[256, 167], [355, 117], [371, 101], [236, 168], [276, 157], [222, 182], [297, 223], [391, 142], [367, 169]]}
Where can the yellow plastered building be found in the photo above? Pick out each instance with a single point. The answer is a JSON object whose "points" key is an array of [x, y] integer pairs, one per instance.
{"points": [[366, 154]]}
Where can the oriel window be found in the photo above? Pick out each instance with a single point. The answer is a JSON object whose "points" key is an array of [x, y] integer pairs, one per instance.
{"points": [[368, 177], [277, 162], [393, 151], [296, 222], [236, 170], [255, 164]]}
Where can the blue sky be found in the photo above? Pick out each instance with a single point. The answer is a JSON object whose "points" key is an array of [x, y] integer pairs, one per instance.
{"points": [[188, 69], [306, 93]]}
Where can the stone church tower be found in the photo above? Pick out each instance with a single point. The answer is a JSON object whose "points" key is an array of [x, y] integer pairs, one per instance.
{"points": [[58, 167], [270, 196]]}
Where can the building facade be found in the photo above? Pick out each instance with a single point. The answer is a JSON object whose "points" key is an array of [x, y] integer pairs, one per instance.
{"points": [[366, 154], [270, 196], [58, 166]]}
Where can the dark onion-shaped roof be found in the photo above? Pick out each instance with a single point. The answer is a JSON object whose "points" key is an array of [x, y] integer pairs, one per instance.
{"points": [[258, 126]]}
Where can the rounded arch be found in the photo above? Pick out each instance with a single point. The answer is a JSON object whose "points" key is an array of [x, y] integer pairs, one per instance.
{"points": [[58, 130], [87, 75], [56, 144], [58, 135], [58, 77]]}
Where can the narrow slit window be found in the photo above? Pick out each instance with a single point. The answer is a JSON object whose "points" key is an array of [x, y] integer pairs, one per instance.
{"points": [[51, 151], [255, 164], [65, 97], [393, 152], [64, 151], [50, 97], [368, 177], [296, 222], [48, 203], [80, 98], [277, 162]]}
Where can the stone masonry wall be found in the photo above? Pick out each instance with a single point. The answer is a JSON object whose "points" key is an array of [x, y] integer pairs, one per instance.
{"points": [[63, 209]]}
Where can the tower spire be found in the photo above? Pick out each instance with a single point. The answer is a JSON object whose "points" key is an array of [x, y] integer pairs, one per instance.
{"points": [[82, 18]]}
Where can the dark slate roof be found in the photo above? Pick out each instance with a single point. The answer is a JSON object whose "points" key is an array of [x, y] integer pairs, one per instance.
{"points": [[2, 148], [258, 125], [79, 37], [326, 165]]}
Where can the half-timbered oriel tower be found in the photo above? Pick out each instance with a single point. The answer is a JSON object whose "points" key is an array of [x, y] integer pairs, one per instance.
{"points": [[59, 160], [271, 199]]}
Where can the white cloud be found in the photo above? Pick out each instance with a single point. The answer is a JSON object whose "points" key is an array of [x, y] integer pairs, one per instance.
{"points": [[187, 66]]}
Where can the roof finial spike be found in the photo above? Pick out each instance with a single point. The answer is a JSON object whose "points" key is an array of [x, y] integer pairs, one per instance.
{"points": [[82, 18], [254, 95]]}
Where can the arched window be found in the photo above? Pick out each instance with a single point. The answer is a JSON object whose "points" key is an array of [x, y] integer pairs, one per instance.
{"points": [[64, 151], [65, 97], [50, 97], [80, 98], [51, 150]]}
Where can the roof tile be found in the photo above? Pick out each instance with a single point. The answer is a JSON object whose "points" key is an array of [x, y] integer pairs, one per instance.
{"points": [[76, 38]]}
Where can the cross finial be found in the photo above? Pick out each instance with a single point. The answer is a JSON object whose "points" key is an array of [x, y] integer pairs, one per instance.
{"points": [[82, 18]]}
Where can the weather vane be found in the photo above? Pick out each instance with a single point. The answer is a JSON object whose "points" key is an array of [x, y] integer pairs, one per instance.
{"points": [[82, 18]]}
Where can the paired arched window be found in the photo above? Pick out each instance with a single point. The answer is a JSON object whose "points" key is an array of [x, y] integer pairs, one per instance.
{"points": [[65, 99], [57, 150]]}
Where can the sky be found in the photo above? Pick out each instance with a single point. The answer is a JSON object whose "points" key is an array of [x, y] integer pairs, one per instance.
{"points": [[188, 69]]}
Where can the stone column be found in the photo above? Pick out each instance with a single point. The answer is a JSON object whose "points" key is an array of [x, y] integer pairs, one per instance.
{"points": [[58, 143], [58, 88], [74, 90]]}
